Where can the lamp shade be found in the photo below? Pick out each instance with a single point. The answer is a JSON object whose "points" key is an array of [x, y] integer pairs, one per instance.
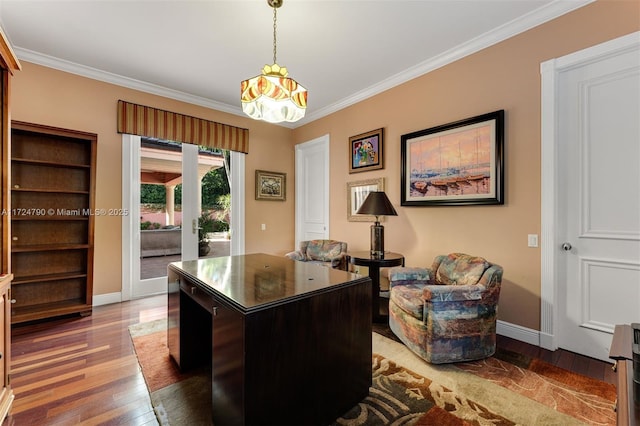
{"points": [[273, 97], [377, 204]]}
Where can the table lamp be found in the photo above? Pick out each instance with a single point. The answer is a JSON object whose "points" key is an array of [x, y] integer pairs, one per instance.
{"points": [[377, 204]]}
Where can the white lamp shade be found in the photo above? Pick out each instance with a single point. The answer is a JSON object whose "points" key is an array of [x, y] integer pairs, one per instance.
{"points": [[273, 98]]}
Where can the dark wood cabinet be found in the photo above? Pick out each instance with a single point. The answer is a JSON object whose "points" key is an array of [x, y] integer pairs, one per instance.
{"points": [[52, 221], [627, 404]]}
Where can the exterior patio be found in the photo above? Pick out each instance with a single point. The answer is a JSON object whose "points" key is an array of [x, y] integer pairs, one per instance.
{"points": [[152, 267]]}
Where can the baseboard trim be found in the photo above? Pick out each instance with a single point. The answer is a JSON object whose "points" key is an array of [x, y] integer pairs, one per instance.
{"points": [[503, 328], [547, 341], [107, 299], [518, 332]]}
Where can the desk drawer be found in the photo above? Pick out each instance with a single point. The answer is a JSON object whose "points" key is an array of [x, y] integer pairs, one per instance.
{"points": [[203, 299]]}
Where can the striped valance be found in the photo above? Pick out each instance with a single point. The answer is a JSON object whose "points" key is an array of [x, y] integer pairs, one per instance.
{"points": [[155, 123]]}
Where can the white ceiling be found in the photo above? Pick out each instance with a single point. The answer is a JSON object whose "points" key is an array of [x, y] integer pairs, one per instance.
{"points": [[199, 51]]}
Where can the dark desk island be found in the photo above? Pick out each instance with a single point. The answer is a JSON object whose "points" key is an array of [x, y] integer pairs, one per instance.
{"points": [[288, 342]]}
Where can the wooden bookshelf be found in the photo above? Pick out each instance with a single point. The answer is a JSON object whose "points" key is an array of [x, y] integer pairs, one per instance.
{"points": [[52, 221], [8, 65]]}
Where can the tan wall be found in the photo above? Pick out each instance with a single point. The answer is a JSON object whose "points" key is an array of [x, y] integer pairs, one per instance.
{"points": [[46, 96], [505, 76]]}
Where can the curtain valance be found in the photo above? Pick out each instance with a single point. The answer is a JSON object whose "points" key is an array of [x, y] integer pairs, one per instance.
{"points": [[155, 123]]}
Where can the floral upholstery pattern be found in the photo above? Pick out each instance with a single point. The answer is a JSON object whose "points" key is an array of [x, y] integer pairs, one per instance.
{"points": [[326, 252], [458, 268], [444, 314]]}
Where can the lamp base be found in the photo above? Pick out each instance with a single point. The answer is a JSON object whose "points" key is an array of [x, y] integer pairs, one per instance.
{"points": [[377, 240]]}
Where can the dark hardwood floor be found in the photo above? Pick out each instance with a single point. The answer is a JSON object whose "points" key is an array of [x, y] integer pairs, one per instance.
{"points": [[84, 371]]}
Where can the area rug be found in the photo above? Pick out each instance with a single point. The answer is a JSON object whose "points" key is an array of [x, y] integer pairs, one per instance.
{"points": [[505, 389]]}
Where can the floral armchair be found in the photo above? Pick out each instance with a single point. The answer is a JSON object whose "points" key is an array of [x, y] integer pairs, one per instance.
{"points": [[325, 252], [447, 313]]}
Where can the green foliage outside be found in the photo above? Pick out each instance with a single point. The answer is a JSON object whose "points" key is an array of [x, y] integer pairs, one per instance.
{"points": [[148, 225], [216, 202], [214, 185]]}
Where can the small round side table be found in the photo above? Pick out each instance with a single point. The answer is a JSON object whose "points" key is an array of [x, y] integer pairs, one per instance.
{"points": [[364, 258]]}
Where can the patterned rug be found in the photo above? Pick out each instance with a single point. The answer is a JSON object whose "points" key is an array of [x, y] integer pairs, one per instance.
{"points": [[506, 389]]}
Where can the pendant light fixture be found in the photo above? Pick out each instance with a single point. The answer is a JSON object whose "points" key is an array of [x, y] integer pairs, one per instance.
{"points": [[272, 96]]}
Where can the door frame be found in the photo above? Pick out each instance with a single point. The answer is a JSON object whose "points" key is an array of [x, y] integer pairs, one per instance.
{"points": [[550, 253], [322, 141], [130, 203]]}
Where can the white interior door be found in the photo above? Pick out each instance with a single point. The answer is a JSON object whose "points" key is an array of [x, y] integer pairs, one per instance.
{"points": [[312, 190], [598, 137]]}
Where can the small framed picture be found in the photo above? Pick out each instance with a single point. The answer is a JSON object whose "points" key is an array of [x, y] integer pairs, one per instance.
{"points": [[357, 192], [271, 185], [365, 151]]}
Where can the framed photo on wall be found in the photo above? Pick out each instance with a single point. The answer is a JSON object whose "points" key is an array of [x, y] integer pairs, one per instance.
{"points": [[271, 185], [365, 151], [460, 163], [357, 192]]}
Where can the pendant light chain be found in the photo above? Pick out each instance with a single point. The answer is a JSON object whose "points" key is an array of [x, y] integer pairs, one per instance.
{"points": [[275, 11], [273, 96]]}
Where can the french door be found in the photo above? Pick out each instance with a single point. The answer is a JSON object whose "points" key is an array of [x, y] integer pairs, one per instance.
{"points": [[149, 249], [132, 284]]}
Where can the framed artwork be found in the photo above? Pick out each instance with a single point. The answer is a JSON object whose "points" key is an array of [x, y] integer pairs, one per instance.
{"points": [[365, 151], [271, 185], [357, 192], [460, 163]]}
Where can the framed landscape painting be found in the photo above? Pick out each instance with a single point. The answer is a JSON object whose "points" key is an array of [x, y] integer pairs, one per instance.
{"points": [[271, 185], [460, 163]]}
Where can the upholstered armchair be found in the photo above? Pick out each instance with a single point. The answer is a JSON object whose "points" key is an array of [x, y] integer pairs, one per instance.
{"points": [[447, 313], [325, 252]]}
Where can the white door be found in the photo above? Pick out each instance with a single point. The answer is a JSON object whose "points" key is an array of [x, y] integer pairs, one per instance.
{"points": [[598, 136], [133, 284], [139, 283], [191, 201], [312, 190]]}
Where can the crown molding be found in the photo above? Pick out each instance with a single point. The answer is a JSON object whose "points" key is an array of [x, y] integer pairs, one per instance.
{"points": [[537, 17], [526, 22], [107, 77]]}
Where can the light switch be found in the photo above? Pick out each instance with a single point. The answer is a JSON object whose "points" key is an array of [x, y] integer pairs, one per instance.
{"points": [[532, 240], [263, 226]]}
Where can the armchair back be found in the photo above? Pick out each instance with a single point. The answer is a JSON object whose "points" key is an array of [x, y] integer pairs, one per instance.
{"points": [[332, 252]]}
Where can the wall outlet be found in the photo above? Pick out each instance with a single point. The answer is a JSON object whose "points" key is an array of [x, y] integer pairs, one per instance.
{"points": [[263, 226], [532, 240]]}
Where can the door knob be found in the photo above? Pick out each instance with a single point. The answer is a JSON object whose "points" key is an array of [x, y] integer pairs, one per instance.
{"points": [[566, 246]]}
